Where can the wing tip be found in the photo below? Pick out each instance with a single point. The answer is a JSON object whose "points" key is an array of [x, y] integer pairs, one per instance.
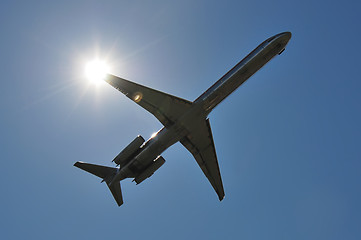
{"points": [[221, 197], [77, 164]]}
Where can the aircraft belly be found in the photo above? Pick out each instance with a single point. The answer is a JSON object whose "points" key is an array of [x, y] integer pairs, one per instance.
{"points": [[163, 140], [239, 74]]}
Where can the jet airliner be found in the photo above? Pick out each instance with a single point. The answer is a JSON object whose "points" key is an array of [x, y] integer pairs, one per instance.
{"points": [[183, 120]]}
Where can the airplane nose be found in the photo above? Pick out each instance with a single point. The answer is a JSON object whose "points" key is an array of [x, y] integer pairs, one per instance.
{"points": [[283, 38], [286, 36]]}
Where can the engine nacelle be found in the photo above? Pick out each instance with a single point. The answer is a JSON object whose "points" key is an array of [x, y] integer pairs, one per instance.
{"points": [[130, 151], [154, 166]]}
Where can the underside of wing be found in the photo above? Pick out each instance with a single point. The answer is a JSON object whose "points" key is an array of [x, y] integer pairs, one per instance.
{"points": [[165, 107], [200, 144], [116, 192], [97, 170]]}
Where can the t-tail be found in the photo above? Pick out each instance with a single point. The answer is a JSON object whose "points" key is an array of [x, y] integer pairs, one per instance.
{"points": [[107, 174], [183, 120]]}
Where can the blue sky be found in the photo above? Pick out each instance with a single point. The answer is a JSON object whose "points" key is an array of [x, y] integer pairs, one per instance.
{"points": [[288, 140]]}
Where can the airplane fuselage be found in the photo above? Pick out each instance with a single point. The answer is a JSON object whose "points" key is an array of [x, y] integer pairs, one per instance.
{"points": [[203, 105]]}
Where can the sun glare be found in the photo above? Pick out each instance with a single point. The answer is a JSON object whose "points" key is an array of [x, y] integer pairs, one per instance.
{"points": [[96, 71]]}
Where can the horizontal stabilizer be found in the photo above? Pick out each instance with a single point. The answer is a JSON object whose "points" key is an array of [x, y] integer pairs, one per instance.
{"points": [[98, 170], [117, 192], [107, 174]]}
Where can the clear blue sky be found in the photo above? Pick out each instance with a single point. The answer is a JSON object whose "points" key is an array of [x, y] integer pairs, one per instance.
{"points": [[288, 140]]}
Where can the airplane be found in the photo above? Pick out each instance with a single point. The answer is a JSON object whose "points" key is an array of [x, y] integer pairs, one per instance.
{"points": [[183, 120]]}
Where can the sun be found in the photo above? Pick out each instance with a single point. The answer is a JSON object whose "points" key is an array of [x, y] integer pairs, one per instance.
{"points": [[96, 71]]}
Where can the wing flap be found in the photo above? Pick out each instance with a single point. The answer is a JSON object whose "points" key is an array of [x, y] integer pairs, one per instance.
{"points": [[165, 107], [200, 144]]}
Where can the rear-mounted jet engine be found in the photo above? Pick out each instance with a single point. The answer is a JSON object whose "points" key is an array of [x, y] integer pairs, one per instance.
{"points": [[154, 166], [129, 152]]}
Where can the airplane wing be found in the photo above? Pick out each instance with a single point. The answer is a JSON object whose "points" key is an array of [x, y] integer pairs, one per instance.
{"points": [[165, 107], [200, 144]]}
